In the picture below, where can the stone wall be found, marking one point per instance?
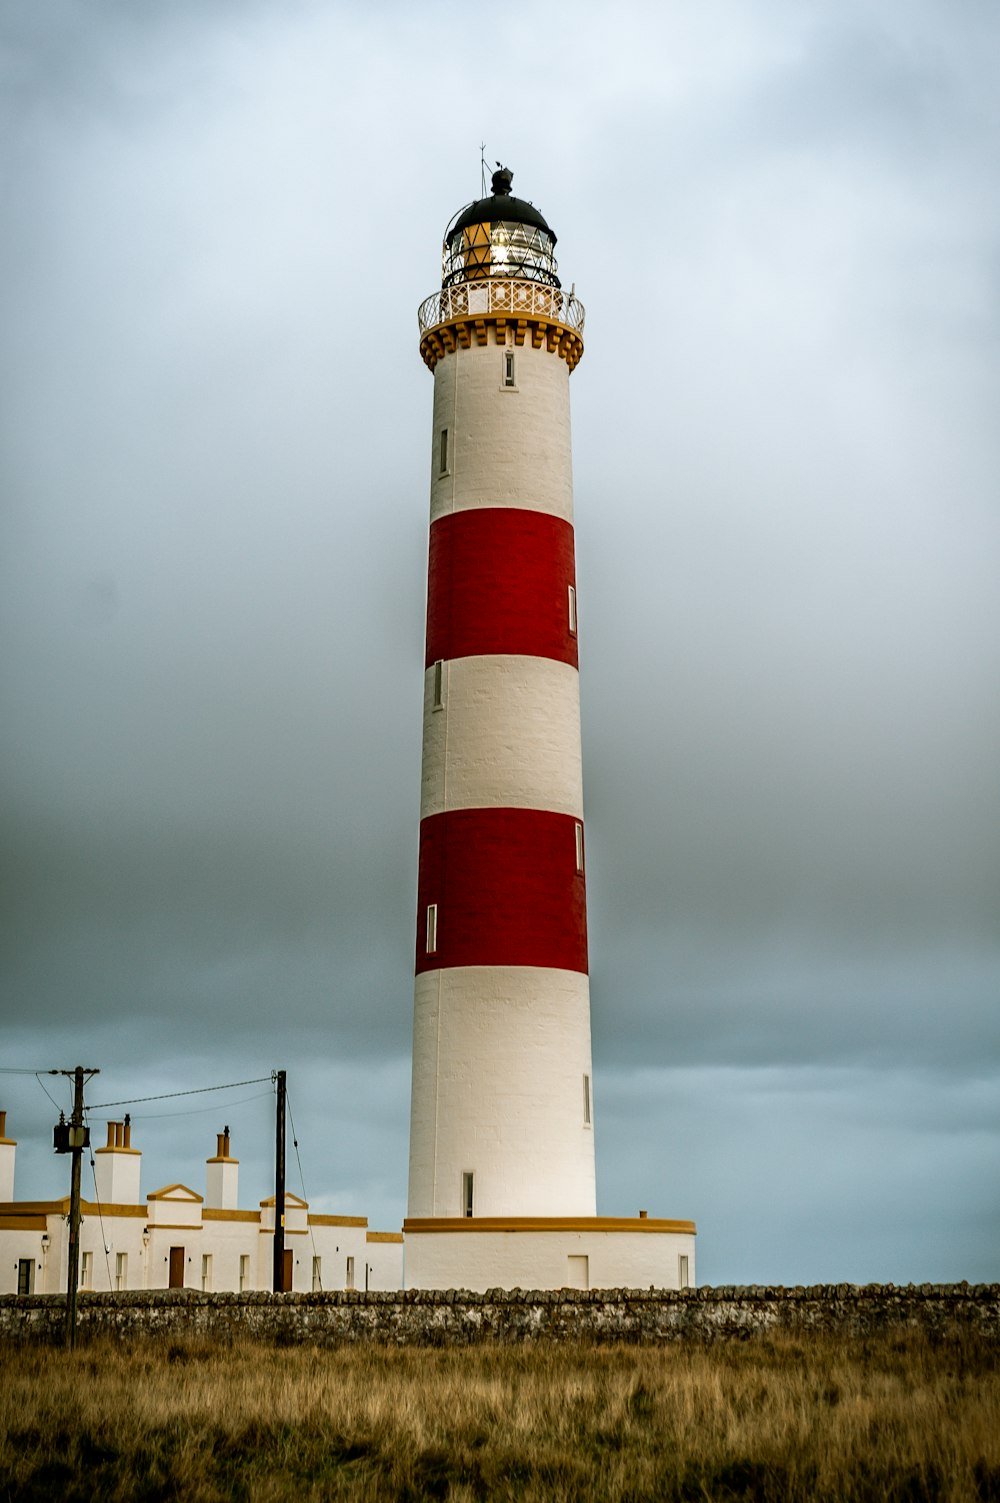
(437, 1318)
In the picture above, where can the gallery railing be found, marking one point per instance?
(501, 295)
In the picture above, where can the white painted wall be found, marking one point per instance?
(222, 1183)
(507, 736)
(174, 1206)
(499, 1056)
(225, 1237)
(177, 1216)
(384, 1260)
(507, 448)
(8, 1149)
(482, 1260)
(116, 1173)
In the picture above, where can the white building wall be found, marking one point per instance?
(178, 1217)
(104, 1234)
(384, 1259)
(228, 1235)
(17, 1244)
(480, 1260)
(161, 1240)
(223, 1236)
(334, 1241)
(298, 1244)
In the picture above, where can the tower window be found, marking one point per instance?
(443, 457)
(586, 1101)
(467, 1179)
(439, 685)
(578, 830)
(509, 377)
(432, 928)
(572, 610)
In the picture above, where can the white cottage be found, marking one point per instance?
(177, 1238)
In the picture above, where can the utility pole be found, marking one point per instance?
(73, 1139)
(278, 1280)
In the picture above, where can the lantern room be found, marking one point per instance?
(499, 236)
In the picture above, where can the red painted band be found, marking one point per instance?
(507, 890)
(498, 582)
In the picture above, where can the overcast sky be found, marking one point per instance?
(215, 434)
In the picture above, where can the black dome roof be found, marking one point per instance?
(501, 204)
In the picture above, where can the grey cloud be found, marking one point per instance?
(795, 1167)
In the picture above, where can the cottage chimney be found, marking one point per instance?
(7, 1148)
(222, 1176)
(116, 1167)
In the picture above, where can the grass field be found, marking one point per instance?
(819, 1419)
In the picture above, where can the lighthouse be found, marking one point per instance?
(502, 1167)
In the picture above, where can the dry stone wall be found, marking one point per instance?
(456, 1317)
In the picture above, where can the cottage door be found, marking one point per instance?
(176, 1280)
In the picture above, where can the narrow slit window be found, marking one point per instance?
(683, 1276)
(432, 928)
(579, 848)
(349, 1276)
(508, 368)
(439, 684)
(572, 610)
(586, 1101)
(317, 1275)
(467, 1181)
(443, 457)
(121, 1270)
(244, 1272)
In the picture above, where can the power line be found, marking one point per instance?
(302, 1178)
(167, 1095)
(295, 1145)
(97, 1198)
(197, 1111)
(38, 1076)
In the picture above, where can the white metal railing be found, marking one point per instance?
(501, 295)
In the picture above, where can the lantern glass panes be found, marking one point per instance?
(501, 249)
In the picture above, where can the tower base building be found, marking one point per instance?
(502, 1190)
(548, 1252)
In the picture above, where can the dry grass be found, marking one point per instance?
(823, 1419)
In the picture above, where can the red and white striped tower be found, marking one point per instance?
(501, 1098)
(501, 1134)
